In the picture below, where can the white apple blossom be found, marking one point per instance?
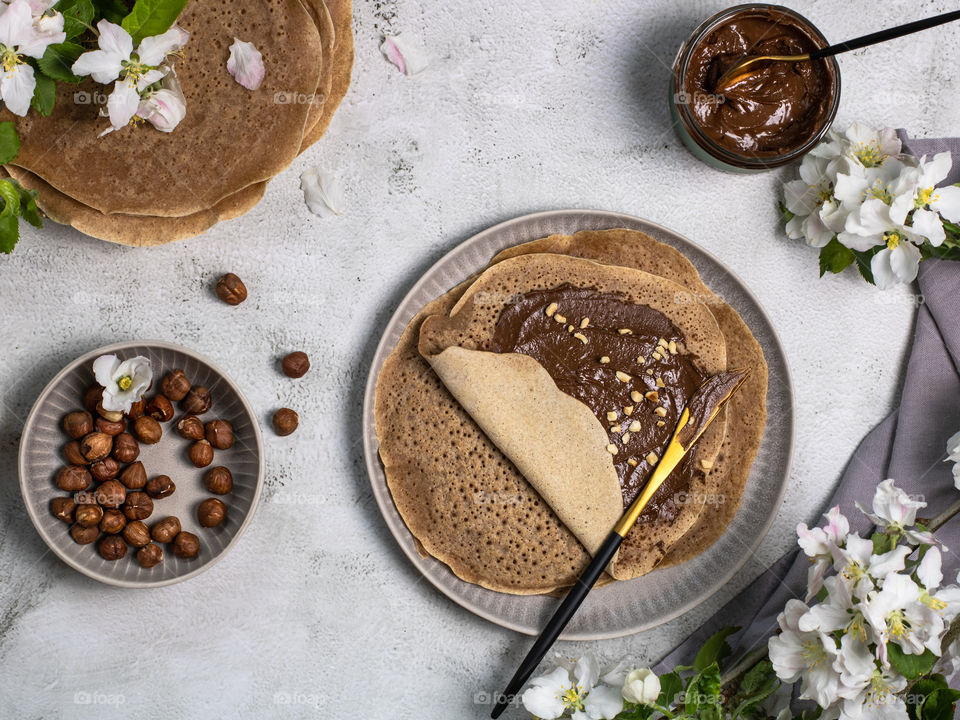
(838, 611)
(163, 108)
(131, 71)
(574, 690)
(124, 382)
(859, 565)
(816, 543)
(817, 214)
(246, 64)
(807, 656)
(927, 202)
(896, 614)
(19, 38)
(641, 686)
(867, 692)
(870, 148)
(895, 512)
(953, 455)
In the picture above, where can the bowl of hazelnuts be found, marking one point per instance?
(149, 495)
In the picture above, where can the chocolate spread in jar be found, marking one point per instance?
(779, 105)
(551, 326)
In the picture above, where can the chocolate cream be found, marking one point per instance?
(551, 327)
(775, 109)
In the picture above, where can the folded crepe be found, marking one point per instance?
(452, 500)
(230, 138)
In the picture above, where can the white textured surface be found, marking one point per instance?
(524, 107)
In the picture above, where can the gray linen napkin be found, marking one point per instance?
(909, 446)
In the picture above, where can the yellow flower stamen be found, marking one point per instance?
(898, 628)
(813, 653)
(125, 382)
(931, 602)
(892, 239)
(572, 697)
(10, 58)
(869, 154)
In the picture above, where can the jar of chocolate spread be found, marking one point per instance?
(772, 116)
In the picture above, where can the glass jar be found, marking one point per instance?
(681, 99)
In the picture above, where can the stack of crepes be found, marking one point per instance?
(139, 186)
(510, 480)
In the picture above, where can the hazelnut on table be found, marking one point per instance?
(150, 555)
(112, 547)
(211, 512)
(160, 487)
(218, 480)
(186, 545)
(147, 430)
(134, 476)
(166, 530)
(136, 533)
(219, 433)
(190, 427)
(231, 289)
(197, 401)
(285, 421)
(201, 453)
(295, 365)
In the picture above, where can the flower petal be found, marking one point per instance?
(322, 192)
(929, 225)
(905, 261)
(102, 66)
(246, 64)
(114, 40)
(47, 31)
(122, 104)
(164, 109)
(946, 201)
(16, 89)
(408, 56)
(16, 24)
(603, 703)
(104, 368)
(152, 50)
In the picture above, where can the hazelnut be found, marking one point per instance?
(77, 424)
(72, 478)
(159, 408)
(197, 401)
(92, 397)
(147, 430)
(219, 433)
(166, 530)
(175, 385)
(112, 547)
(111, 415)
(71, 451)
(88, 515)
(231, 289)
(186, 545)
(113, 521)
(134, 476)
(201, 453)
(136, 409)
(285, 421)
(138, 506)
(160, 487)
(111, 494)
(96, 446)
(295, 365)
(136, 533)
(218, 480)
(63, 508)
(106, 469)
(110, 428)
(190, 427)
(211, 512)
(126, 449)
(150, 555)
(84, 535)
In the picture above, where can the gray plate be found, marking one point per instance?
(624, 607)
(41, 457)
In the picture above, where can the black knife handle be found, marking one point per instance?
(558, 622)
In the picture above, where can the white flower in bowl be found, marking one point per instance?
(124, 382)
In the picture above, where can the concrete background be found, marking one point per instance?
(524, 107)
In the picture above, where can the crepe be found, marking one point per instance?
(746, 410)
(230, 138)
(525, 549)
(148, 231)
(554, 474)
(462, 500)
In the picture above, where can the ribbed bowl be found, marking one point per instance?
(41, 457)
(634, 605)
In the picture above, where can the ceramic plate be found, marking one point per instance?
(41, 457)
(624, 607)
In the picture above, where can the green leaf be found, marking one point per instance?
(919, 691)
(787, 215)
(9, 142)
(77, 15)
(714, 650)
(702, 698)
(910, 666)
(635, 712)
(939, 704)
(835, 257)
(111, 10)
(44, 94)
(757, 685)
(670, 686)
(28, 205)
(9, 221)
(863, 258)
(881, 543)
(58, 60)
(152, 17)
